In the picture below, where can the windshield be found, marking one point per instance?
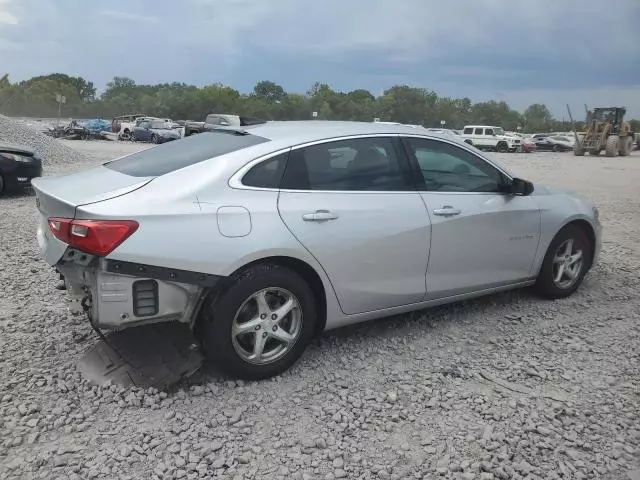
(498, 131)
(160, 125)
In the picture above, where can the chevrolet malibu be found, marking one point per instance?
(260, 237)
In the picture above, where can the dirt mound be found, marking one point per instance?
(50, 150)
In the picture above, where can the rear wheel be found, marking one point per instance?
(565, 264)
(154, 138)
(612, 147)
(1, 185)
(556, 148)
(626, 146)
(259, 325)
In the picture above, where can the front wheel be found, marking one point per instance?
(502, 147)
(565, 264)
(260, 324)
(154, 138)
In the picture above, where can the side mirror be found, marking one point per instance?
(520, 187)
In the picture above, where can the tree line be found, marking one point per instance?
(36, 97)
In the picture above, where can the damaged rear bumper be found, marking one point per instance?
(118, 295)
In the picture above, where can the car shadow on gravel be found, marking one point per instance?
(19, 193)
(412, 323)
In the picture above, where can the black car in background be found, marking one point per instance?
(18, 165)
(553, 143)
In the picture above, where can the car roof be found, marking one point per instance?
(304, 131)
(17, 149)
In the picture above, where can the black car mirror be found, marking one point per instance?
(520, 187)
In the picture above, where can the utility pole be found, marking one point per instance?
(60, 99)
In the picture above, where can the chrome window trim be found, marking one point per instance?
(235, 181)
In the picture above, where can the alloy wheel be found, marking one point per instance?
(568, 263)
(266, 326)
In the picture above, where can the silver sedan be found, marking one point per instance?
(261, 237)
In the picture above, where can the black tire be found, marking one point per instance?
(626, 146)
(502, 147)
(154, 138)
(555, 148)
(612, 146)
(216, 319)
(1, 185)
(545, 285)
(469, 142)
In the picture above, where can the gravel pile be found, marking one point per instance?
(50, 150)
(505, 387)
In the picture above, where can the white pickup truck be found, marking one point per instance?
(486, 137)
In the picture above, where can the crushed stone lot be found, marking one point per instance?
(504, 387)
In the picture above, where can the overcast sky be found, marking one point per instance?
(549, 51)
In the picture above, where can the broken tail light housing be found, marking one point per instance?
(96, 237)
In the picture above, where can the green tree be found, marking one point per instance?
(269, 91)
(538, 118)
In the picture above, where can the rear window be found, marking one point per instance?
(178, 154)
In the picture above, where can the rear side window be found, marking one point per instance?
(478, 131)
(468, 131)
(361, 164)
(175, 155)
(266, 174)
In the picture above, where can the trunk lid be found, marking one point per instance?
(60, 196)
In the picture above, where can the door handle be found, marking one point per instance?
(319, 216)
(447, 211)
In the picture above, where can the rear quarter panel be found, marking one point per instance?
(178, 216)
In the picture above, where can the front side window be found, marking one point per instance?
(488, 131)
(448, 168)
(357, 164)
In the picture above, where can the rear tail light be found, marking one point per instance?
(97, 237)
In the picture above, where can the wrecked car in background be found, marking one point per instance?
(123, 125)
(215, 120)
(154, 131)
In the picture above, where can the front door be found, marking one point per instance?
(352, 205)
(481, 237)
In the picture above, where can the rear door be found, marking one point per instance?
(481, 237)
(479, 138)
(352, 205)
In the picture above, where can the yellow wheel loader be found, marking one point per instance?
(605, 130)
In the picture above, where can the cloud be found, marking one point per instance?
(6, 15)
(129, 17)
(474, 48)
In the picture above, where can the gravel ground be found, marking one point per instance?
(505, 387)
